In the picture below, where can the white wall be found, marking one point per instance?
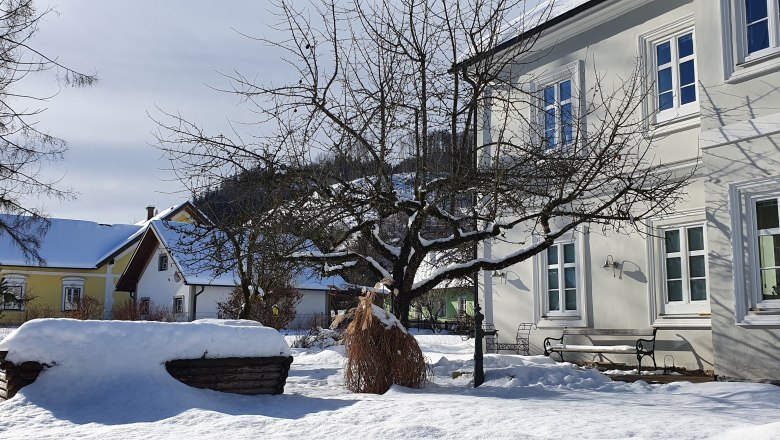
(207, 301)
(629, 299)
(160, 286)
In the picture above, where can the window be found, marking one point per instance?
(178, 305)
(767, 231)
(760, 22)
(13, 299)
(143, 307)
(751, 38)
(675, 79)
(462, 305)
(558, 100)
(162, 262)
(669, 54)
(685, 270)
(72, 292)
(558, 118)
(561, 287)
(442, 311)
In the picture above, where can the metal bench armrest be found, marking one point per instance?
(548, 343)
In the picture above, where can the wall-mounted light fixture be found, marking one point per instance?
(610, 262)
(504, 275)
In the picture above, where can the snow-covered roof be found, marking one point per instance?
(531, 21)
(71, 243)
(309, 279)
(82, 244)
(178, 240)
(542, 13)
(195, 269)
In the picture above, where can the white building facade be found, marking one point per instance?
(706, 275)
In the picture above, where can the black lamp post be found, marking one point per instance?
(479, 372)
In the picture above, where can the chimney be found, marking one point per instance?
(149, 212)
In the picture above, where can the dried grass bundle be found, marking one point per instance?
(380, 352)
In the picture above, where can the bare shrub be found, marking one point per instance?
(86, 307)
(33, 310)
(133, 310)
(275, 308)
(380, 352)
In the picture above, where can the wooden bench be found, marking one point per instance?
(520, 346)
(644, 343)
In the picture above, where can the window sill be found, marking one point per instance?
(755, 65)
(561, 321)
(683, 121)
(687, 320)
(761, 318)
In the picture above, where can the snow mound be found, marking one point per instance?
(128, 344)
(511, 371)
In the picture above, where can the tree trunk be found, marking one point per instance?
(402, 306)
(244, 312)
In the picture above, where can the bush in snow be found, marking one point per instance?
(275, 308)
(133, 310)
(85, 307)
(380, 352)
(318, 337)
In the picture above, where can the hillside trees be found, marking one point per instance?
(24, 147)
(372, 81)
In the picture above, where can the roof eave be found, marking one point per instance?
(529, 33)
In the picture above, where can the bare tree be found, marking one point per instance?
(243, 238)
(372, 81)
(24, 147)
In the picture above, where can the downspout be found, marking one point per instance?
(195, 301)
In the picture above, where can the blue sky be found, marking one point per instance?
(148, 54)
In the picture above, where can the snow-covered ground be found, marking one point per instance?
(523, 397)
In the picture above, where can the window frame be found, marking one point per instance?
(686, 305)
(748, 311)
(462, 305)
(15, 281)
(738, 65)
(685, 114)
(754, 234)
(561, 265)
(144, 304)
(180, 300)
(571, 318)
(70, 284)
(163, 262)
(773, 29)
(573, 72)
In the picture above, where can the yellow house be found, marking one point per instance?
(82, 259)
